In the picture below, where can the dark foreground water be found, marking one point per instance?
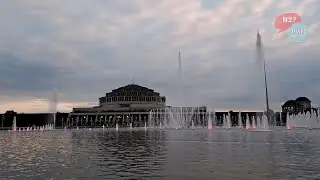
(168, 155)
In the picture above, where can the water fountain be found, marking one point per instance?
(14, 124)
(253, 120)
(263, 77)
(248, 126)
(229, 121)
(259, 119)
(117, 127)
(240, 125)
(265, 122)
(175, 117)
(145, 126)
(209, 121)
(304, 120)
(53, 104)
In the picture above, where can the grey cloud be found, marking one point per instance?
(216, 71)
(25, 76)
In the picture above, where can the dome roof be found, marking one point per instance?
(132, 87)
(303, 99)
(289, 103)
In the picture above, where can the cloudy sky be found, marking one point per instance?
(85, 48)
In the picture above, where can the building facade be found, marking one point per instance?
(128, 104)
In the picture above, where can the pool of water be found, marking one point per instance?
(160, 154)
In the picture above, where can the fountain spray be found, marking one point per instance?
(209, 121)
(145, 126)
(261, 58)
(14, 124)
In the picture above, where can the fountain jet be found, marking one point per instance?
(14, 124)
(260, 56)
(209, 121)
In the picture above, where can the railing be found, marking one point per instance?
(5, 128)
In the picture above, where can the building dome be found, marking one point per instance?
(290, 103)
(132, 94)
(303, 99)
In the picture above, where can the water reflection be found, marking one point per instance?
(179, 154)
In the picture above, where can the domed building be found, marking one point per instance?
(296, 106)
(128, 104)
(304, 103)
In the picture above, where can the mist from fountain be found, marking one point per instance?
(304, 120)
(172, 117)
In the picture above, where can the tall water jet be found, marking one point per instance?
(192, 124)
(131, 125)
(14, 124)
(117, 127)
(180, 81)
(53, 103)
(261, 59)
